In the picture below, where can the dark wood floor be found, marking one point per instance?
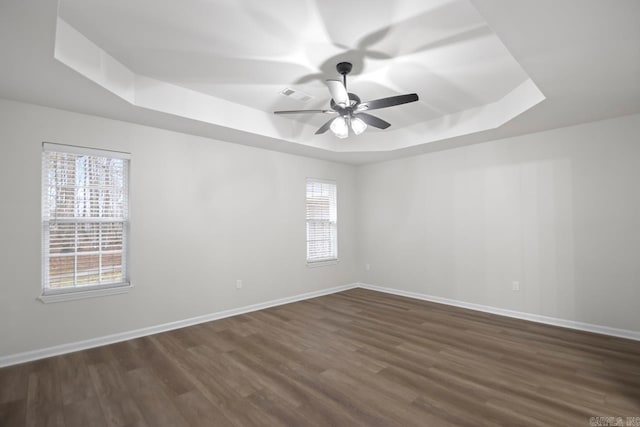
(353, 358)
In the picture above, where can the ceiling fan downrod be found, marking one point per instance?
(344, 68)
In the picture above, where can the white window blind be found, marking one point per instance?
(322, 221)
(85, 214)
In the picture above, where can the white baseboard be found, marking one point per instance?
(571, 324)
(29, 356)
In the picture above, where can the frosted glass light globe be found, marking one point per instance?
(358, 125)
(339, 127)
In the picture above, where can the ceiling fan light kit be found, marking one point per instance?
(350, 110)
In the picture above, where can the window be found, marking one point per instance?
(85, 218)
(322, 224)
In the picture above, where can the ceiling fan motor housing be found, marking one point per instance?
(352, 97)
(344, 68)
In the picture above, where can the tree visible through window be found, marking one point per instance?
(85, 218)
(322, 221)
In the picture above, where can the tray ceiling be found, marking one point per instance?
(227, 62)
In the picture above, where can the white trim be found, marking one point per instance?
(94, 289)
(571, 324)
(322, 181)
(76, 149)
(28, 356)
(75, 293)
(332, 224)
(322, 263)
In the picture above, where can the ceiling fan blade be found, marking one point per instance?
(338, 93)
(388, 102)
(325, 127)
(305, 112)
(374, 121)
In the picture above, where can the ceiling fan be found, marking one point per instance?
(349, 108)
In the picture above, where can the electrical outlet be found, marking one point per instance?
(515, 286)
(238, 284)
(367, 267)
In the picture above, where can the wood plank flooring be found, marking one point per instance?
(356, 358)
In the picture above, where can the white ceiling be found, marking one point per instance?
(186, 58)
(583, 55)
(249, 51)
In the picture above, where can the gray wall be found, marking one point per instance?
(558, 211)
(203, 214)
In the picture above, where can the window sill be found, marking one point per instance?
(71, 295)
(324, 263)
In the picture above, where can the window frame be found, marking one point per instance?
(76, 292)
(323, 261)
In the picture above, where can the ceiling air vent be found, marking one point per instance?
(297, 95)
